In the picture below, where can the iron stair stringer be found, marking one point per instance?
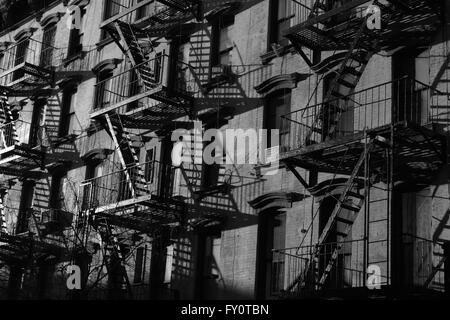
(3, 226)
(114, 133)
(343, 221)
(137, 172)
(112, 249)
(342, 85)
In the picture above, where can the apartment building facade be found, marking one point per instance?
(94, 90)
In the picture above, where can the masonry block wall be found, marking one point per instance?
(226, 263)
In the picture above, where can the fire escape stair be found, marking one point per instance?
(3, 226)
(343, 84)
(127, 154)
(21, 158)
(404, 22)
(127, 38)
(115, 258)
(349, 202)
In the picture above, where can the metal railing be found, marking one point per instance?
(299, 269)
(150, 178)
(20, 132)
(45, 56)
(401, 100)
(158, 73)
(298, 11)
(426, 260)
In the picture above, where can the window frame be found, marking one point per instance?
(216, 38)
(270, 115)
(275, 22)
(67, 111)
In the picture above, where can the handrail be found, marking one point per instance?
(128, 168)
(318, 245)
(349, 95)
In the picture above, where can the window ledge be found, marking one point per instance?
(79, 55)
(272, 54)
(104, 42)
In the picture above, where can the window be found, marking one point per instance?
(280, 16)
(270, 265)
(76, 37)
(211, 173)
(134, 89)
(101, 91)
(36, 123)
(278, 230)
(57, 191)
(111, 8)
(169, 263)
(222, 43)
(94, 169)
(157, 66)
(26, 202)
(139, 265)
(48, 44)
(143, 11)
(66, 124)
(278, 104)
(150, 165)
(21, 56)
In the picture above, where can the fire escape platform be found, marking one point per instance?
(143, 213)
(30, 69)
(158, 24)
(170, 101)
(155, 205)
(20, 160)
(20, 249)
(418, 152)
(385, 292)
(151, 118)
(403, 26)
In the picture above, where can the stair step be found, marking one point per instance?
(350, 207)
(355, 195)
(346, 83)
(344, 220)
(351, 70)
(339, 95)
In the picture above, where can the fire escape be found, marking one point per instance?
(30, 70)
(359, 138)
(160, 88)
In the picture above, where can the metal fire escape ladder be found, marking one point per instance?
(342, 85)
(112, 245)
(127, 147)
(3, 226)
(114, 134)
(346, 219)
(6, 117)
(129, 41)
(126, 37)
